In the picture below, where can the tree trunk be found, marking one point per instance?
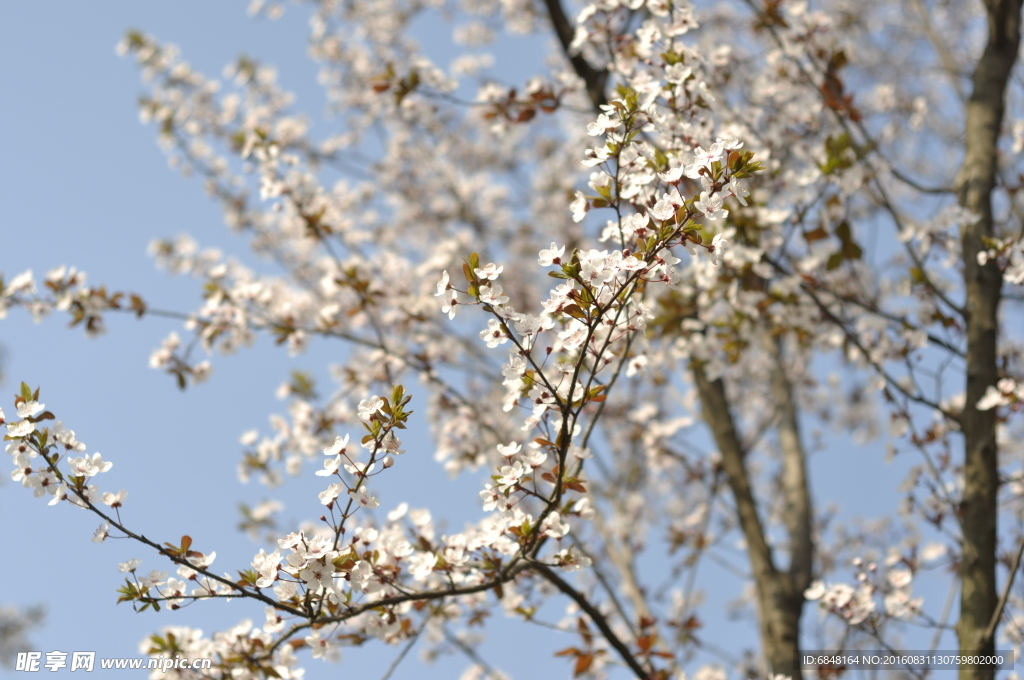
(975, 183)
(780, 596)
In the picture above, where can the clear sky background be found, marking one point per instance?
(82, 183)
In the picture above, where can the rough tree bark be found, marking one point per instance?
(975, 183)
(780, 596)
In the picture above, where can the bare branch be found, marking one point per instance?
(595, 80)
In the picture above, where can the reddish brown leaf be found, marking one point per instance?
(583, 662)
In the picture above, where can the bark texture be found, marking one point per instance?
(983, 285)
(779, 593)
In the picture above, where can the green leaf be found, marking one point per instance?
(574, 311)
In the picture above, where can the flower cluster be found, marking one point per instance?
(687, 282)
(857, 604)
(37, 451)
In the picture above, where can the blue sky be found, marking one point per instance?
(82, 183)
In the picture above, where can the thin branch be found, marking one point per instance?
(405, 650)
(629, 576)
(862, 151)
(890, 380)
(472, 654)
(944, 619)
(597, 617)
(998, 613)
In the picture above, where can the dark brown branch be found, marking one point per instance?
(505, 576)
(597, 617)
(594, 79)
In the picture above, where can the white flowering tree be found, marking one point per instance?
(664, 237)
